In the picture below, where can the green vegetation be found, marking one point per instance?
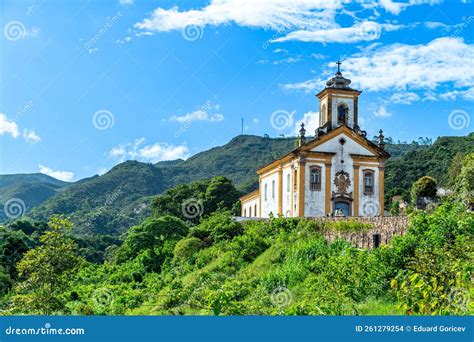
(281, 266)
(185, 254)
(32, 189)
(121, 198)
(347, 226)
(424, 187)
(434, 161)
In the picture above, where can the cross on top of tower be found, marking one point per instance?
(338, 66)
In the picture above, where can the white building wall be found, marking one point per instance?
(369, 205)
(248, 208)
(350, 147)
(286, 204)
(314, 201)
(270, 204)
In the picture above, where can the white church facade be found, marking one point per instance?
(339, 172)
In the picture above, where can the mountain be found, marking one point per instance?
(433, 161)
(111, 203)
(33, 189)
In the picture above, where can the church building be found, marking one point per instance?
(339, 172)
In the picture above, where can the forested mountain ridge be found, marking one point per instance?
(32, 188)
(111, 203)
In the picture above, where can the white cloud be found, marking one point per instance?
(311, 19)
(8, 127)
(404, 98)
(311, 122)
(397, 7)
(31, 136)
(158, 152)
(381, 112)
(124, 40)
(201, 114)
(318, 56)
(434, 25)
(279, 50)
(289, 60)
(92, 51)
(459, 94)
(401, 67)
(149, 153)
(267, 14)
(126, 2)
(365, 31)
(61, 175)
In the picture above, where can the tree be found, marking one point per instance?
(220, 194)
(424, 187)
(197, 200)
(13, 245)
(154, 239)
(464, 185)
(217, 227)
(44, 270)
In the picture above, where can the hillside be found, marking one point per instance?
(434, 161)
(32, 189)
(120, 198)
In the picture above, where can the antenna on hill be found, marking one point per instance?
(242, 128)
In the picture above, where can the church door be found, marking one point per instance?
(342, 206)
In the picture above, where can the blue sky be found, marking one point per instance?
(88, 84)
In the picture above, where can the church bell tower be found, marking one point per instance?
(338, 104)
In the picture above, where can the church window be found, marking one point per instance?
(273, 189)
(342, 114)
(265, 192)
(315, 181)
(255, 211)
(245, 212)
(250, 211)
(288, 182)
(368, 182)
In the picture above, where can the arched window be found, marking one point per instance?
(255, 211)
(250, 211)
(288, 182)
(245, 212)
(265, 192)
(273, 189)
(342, 114)
(315, 180)
(368, 182)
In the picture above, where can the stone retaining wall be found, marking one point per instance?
(385, 227)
